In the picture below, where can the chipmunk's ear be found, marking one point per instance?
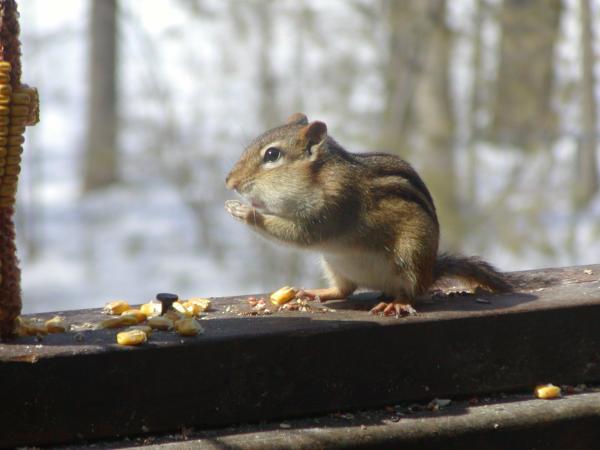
(297, 119)
(316, 135)
(315, 132)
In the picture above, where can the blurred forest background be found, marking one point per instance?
(146, 105)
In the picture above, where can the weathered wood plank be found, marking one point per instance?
(289, 364)
(510, 422)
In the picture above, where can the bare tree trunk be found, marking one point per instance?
(101, 153)
(522, 113)
(434, 120)
(476, 101)
(587, 171)
(408, 29)
(267, 84)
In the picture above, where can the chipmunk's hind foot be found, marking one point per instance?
(396, 308)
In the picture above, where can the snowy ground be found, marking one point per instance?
(140, 237)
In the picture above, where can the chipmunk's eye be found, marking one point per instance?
(272, 154)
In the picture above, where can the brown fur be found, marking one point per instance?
(370, 215)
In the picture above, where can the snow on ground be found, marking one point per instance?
(140, 237)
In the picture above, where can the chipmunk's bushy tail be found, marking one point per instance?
(472, 270)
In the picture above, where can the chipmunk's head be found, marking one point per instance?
(276, 172)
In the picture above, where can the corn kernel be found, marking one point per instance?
(28, 327)
(152, 308)
(114, 322)
(283, 295)
(136, 313)
(56, 325)
(20, 98)
(19, 110)
(128, 319)
(131, 337)
(193, 309)
(173, 315)
(160, 323)
(203, 304)
(145, 328)
(116, 307)
(188, 327)
(182, 309)
(547, 391)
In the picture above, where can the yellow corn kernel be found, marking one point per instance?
(182, 309)
(138, 315)
(128, 319)
(145, 328)
(547, 391)
(4, 78)
(283, 295)
(131, 337)
(4, 131)
(173, 315)
(28, 327)
(5, 89)
(192, 308)
(114, 322)
(5, 99)
(188, 327)
(56, 325)
(203, 304)
(151, 309)
(116, 307)
(160, 323)
(5, 66)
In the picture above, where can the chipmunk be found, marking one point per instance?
(369, 215)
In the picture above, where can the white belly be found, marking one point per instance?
(371, 270)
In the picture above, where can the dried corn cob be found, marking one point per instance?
(19, 106)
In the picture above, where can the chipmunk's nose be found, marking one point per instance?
(231, 182)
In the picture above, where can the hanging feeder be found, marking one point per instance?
(19, 107)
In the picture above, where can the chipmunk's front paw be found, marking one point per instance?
(241, 211)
